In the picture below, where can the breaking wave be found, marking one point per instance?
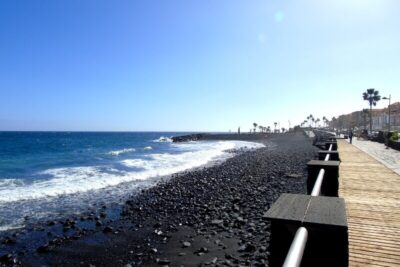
(71, 180)
(122, 151)
(163, 139)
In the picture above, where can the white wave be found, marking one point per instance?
(10, 227)
(10, 182)
(62, 181)
(66, 181)
(194, 155)
(122, 151)
(72, 180)
(163, 139)
(137, 163)
(147, 148)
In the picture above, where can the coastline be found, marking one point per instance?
(216, 209)
(104, 168)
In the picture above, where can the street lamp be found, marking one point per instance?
(388, 98)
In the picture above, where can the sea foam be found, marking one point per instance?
(163, 139)
(72, 180)
(122, 151)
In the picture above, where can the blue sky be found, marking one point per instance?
(192, 65)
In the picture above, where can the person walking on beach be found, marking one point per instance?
(351, 136)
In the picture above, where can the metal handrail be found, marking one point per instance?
(296, 251)
(327, 157)
(295, 254)
(318, 183)
(330, 147)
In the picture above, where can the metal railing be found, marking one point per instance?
(296, 250)
(318, 183)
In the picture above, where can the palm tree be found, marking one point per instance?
(268, 129)
(255, 126)
(317, 121)
(275, 123)
(260, 128)
(372, 96)
(311, 117)
(334, 122)
(324, 119)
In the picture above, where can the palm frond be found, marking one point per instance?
(370, 91)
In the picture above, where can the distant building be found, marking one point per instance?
(395, 116)
(380, 119)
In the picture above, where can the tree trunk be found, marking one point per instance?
(370, 119)
(365, 121)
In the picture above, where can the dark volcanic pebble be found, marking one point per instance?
(8, 241)
(108, 229)
(9, 260)
(186, 244)
(163, 262)
(44, 249)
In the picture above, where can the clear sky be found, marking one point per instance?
(208, 65)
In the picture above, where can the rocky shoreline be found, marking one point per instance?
(210, 216)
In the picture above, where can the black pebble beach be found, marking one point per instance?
(212, 216)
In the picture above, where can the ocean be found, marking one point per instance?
(48, 175)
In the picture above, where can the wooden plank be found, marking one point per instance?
(374, 239)
(377, 242)
(372, 195)
(361, 261)
(371, 227)
(371, 251)
(375, 257)
(359, 243)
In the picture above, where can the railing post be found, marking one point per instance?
(326, 223)
(286, 215)
(330, 186)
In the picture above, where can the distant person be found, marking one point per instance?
(351, 136)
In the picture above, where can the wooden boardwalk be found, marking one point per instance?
(372, 195)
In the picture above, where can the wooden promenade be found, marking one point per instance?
(372, 195)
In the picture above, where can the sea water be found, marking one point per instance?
(45, 175)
